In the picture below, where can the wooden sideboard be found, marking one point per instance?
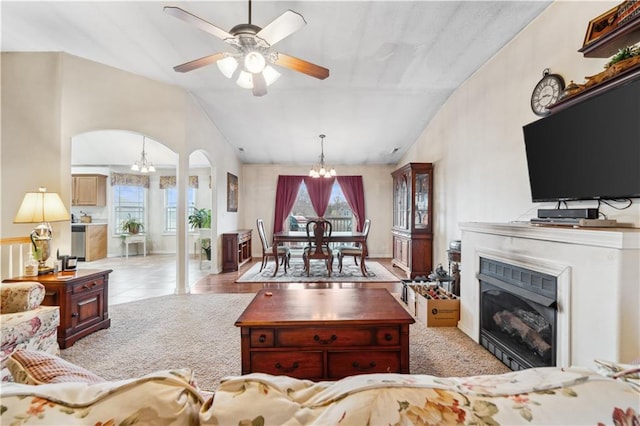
(83, 298)
(236, 249)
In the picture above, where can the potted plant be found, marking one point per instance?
(206, 246)
(200, 218)
(132, 225)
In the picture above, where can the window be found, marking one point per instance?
(338, 211)
(171, 205)
(128, 201)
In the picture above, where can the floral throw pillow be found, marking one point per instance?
(37, 368)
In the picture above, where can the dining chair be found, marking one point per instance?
(318, 233)
(355, 250)
(284, 254)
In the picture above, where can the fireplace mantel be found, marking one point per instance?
(618, 238)
(599, 271)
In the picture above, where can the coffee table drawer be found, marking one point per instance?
(324, 337)
(388, 336)
(343, 364)
(302, 365)
(262, 338)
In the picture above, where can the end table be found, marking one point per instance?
(83, 298)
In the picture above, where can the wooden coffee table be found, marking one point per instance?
(324, 334)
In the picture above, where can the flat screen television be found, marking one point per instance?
(587, 151)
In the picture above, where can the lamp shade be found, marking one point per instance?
(41, 206)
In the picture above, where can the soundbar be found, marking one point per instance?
(586, 213)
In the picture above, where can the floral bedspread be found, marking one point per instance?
(571, 396)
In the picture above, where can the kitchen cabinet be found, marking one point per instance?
(89, 190)
(89, 241)
(412, 232)
(95, 242)
(83, 297)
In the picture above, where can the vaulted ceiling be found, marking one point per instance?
(392, 64)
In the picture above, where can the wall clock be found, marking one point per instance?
(547, 92)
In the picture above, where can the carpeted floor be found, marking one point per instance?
(197, 331)
(350, 273)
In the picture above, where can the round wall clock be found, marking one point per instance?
(547, 92)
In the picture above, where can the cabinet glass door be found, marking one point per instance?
(400, 204)
(421, 201)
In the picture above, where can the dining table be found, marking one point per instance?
(346, 237)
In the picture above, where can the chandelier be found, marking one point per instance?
(143, 165)
(320, 170)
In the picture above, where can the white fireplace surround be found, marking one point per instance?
(598, 279)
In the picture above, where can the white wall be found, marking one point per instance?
(258, 195)
(476, 139)
(47, 98)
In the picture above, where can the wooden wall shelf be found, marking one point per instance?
(623, 77)
(609, 44)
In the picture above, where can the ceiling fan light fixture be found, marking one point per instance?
(270, 75)
(254, 62)
(245, 80)
(227, 66)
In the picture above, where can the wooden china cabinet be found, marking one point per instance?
(412, 231)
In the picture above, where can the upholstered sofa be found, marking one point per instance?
(24, 323)
(49, 390)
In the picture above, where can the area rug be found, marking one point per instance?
(350, 273)
(197, 331)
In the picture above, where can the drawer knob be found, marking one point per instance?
(262, 338)
(75, 315)
(357, 366)
(332, 339)
(293, 367)
(388, 337)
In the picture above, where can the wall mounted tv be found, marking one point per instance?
(587, 151)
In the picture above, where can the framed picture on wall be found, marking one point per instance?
(601, 25)
(232, 193)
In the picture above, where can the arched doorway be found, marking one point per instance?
(148, 196)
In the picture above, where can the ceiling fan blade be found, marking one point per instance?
(259, 85)
(199, 63)
(302, 66)
(283, 26)
(198, 22)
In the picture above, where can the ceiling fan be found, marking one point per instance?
(252, 59)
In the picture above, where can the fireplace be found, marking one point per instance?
(518, 314)
(596, 273)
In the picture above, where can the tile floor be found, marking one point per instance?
(143, 277)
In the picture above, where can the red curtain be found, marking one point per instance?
(286, 194)
(353, 191)
(319, 192)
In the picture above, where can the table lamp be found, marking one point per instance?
(41, 207)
